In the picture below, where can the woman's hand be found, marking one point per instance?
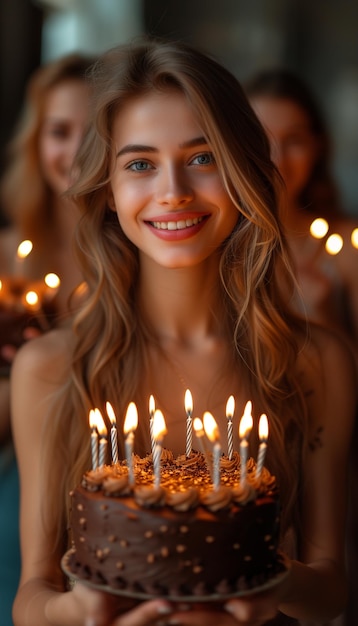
(104, 609)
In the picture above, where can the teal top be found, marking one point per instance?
(9, 532)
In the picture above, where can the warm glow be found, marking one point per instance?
(159, 426)
(319, 228)
(92, 419)
(188, 402)
(101, 426)
(334, 244)
(111, 413)
(131, 420)
(246, 421)
(96, 421)
(31, 298)
(24, 249)
(354, 238)
(230, 406)
(52, 280)
(198, 427)
(210, 427)
(151, 406)
(263, 428)
(0, 284)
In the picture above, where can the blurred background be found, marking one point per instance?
(317, 39)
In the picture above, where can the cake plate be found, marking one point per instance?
(214, 597)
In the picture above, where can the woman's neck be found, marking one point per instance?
(180, 304)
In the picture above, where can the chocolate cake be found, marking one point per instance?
(182, 539)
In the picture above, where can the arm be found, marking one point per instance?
(316, 586)
(42, 599)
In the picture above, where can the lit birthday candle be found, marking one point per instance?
(354, 238)
(23, 251)
(52, 285)
(212, 432)
(102, 431)
(230, 408)
(130, 425)
(94, 439)
(151, 417)
(334, 244)
(319, 228)
(114, 437)
(189, 422)
(245, 427)
(159, 430)
(263, 436)
(200, 433)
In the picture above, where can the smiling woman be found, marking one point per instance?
(167, 187)
(188, 280)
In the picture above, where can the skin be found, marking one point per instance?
(329, 284)
(172, 270)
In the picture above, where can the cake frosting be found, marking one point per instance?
(184, 538)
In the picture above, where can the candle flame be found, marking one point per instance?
(230, 407)
(111, 414)
(101, 426)
(92, 419)
(319, 228)
(188, 402)
(151, 406)
(354, 238)
(96, 421)
(131, 420)
(24, 249)
(263, 428)
(159, 425)
(246, 421)
(52, 280)
(198, 427)
(0, 284)
(210, 427)
(31, 298)
(334, 244)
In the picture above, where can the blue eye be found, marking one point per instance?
(139, 166)
(206, 158)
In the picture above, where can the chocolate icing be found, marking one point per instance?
(182, 539)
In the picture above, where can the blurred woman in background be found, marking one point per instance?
(302, 150)
(38, 172)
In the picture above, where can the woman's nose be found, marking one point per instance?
(174, 189)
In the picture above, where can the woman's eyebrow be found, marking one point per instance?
(132, 147)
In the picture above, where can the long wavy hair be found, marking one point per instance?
(26, 198)
(255, 275)
(320, 196)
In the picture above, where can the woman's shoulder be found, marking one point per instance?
(323, 348)
(48, 356)
(327, 368)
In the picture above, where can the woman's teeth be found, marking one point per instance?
(179, 225)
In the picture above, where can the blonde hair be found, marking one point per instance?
(255, 272)
(26, 198)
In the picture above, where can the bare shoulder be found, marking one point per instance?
(328, 371)
(47, 357)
